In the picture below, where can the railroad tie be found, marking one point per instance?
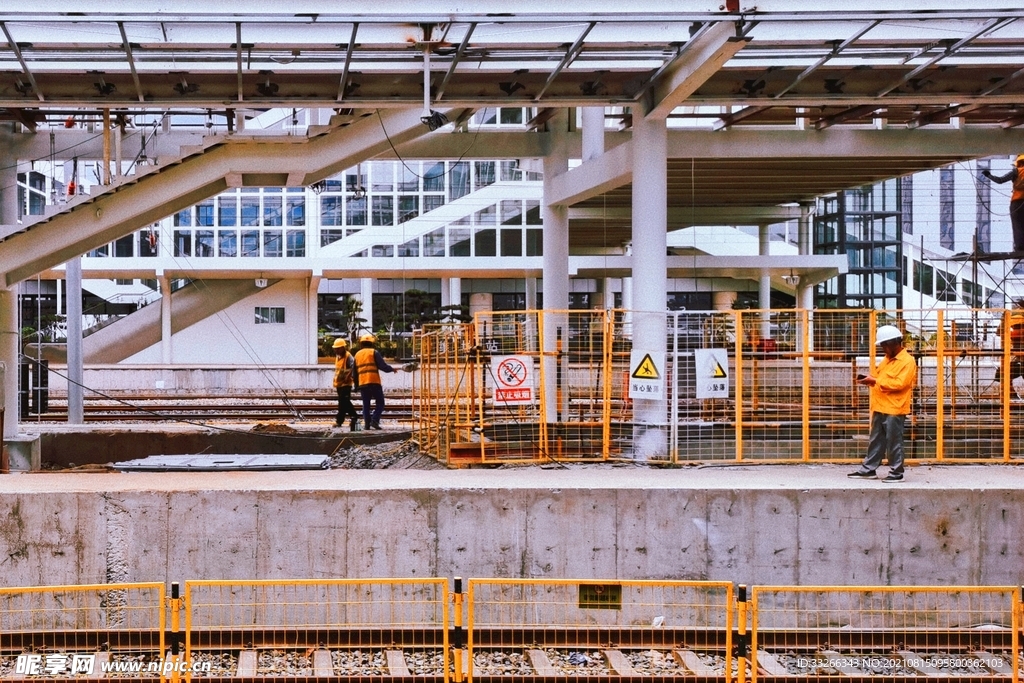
(396, 663)
(916, 662)
(769, 665)
(101, 661)
(541, 664)
(994, 663)
(323, 665)
(247, 662)
(618, 662)
(836, 661)
(693, 662)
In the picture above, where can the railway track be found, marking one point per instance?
(161, 408)
(537, 654)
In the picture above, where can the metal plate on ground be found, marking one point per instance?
(217, 463)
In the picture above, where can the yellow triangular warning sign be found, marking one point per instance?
(646, 369)
(719, 371)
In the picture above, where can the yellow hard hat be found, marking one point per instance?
(368, 338)
(1020, 158)
(340, 343)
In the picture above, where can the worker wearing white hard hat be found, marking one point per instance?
(892, 385)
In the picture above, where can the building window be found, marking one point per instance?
(330, 211)
(204, 242)
(296, 210)
(250, 243)
(250, 211)
(273, 246)
(296, 243)
(227, 243)
(205, 213)
(383, 211)
(272, 211)
(269, 315)
(227, 215)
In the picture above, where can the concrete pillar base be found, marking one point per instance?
(24, 453)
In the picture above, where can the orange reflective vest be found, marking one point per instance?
(366, 366)
(343, 366)
(1018, 185)
(896, 379)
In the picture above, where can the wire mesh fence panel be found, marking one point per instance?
(442, 395)
(824, 631)
(507, 371)
(62, 631)
(317, 627)
(690, 386)
(702, 388)
(575, 628)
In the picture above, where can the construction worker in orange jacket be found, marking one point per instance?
(1016, 175)
(369, 364)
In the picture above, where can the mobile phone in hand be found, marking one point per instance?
(861, 377)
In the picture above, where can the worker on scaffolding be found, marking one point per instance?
(344, 374)
(1016, 175)
(369, 364)
(892, 386)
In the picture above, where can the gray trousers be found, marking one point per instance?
(885, 437)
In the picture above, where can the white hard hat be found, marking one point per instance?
(887, 333)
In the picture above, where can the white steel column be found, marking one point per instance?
(531, 293)
(556, 270)
(313, 317)
(9, 193)
(9, 342)
(650, 273)
(165, 320)
(366, 297)
(455, 292)
(593, 132)
(764, 292)
(76, 394)
(805, 293)
(446, 292)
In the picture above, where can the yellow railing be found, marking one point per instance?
(890, 631)
(57, 632)
(514, 628)
(599, 627)
(533, 386)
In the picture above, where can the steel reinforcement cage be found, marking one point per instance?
(747, 385)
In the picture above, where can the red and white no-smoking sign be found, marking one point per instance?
(513, 379)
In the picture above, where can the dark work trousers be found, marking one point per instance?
(1017, 221)
(885, 439)
(345, 407)
(374, 393)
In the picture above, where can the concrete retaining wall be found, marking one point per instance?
(769, 525)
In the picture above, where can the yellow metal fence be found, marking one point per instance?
(586, 628)
(690, 386)
(321, 628)
(514, 629)
(56, 632)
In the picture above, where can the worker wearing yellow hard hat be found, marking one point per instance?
(369, 363)
(344, 375)
(1016, 176)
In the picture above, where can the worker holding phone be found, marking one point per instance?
(892, 385)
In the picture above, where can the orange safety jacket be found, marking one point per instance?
(343, 366)
(896, 378)
(1018, 185)
(366, 366)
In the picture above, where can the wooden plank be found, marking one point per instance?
(246, 664)
(541, 664)
(693, 663)
(323, 664)
(396, 663)
(769, 665)
(914, 661)
(841, 663)
(618, 662)
(994, 663)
